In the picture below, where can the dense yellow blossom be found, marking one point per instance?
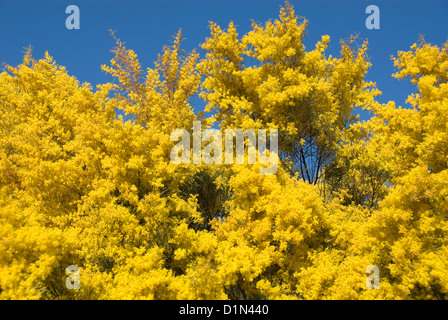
(82, 186)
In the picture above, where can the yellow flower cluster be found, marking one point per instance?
(81, 186)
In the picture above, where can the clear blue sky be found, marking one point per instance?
(146, 26)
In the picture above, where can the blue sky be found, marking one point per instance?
(146, 26)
